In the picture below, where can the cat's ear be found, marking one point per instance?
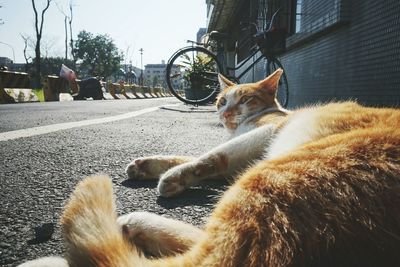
(224, 82)
(271, 82)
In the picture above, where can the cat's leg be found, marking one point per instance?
(223, 161)
(158, 236)
(152, 167)
(53, 261)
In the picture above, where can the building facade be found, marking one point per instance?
(200, 34)
(154, 74)
(5, 61)
(335, 49)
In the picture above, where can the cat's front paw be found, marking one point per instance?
(133, 223)
(177, 179)
(146, 168)
(156, 235)
(137, 227)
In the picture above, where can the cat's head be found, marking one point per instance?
(236, 102)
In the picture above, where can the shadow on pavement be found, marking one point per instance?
(139, 184)
(187, 109)
(208, 193)
(205, 195)
(43, 233)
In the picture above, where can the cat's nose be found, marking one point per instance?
(227, 114)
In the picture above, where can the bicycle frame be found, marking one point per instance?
(244, 62)
(267, 57)
(227, 69)
(217, 58)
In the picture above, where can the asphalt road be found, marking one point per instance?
(37, 173)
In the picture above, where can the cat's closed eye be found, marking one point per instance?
(245, 99)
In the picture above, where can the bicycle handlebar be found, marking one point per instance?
(194, 42)
(270, 39)
(271, 23)
(215, 35)
(261, 33)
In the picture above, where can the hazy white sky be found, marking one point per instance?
(158, 26)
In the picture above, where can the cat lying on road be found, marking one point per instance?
(319, 186)
(250, 113)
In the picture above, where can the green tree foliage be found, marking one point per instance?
(97, 55)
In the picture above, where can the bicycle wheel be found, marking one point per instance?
(192, 75)
(283, 89)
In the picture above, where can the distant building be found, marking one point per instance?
(18, 67)
(155, 74)
(127, 73)
(6, 62)
(132, 73)
(200, 34)
(335, 50)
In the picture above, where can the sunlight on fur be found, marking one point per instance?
(318, 186)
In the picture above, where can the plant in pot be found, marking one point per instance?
(199, 76)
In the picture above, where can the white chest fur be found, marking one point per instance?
(300, 129)
(242, 128)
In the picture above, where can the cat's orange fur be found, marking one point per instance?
(257, 96)
(241, 108)
(96, 231)
(333, 200)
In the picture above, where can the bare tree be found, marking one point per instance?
(47, 45)
(1, 20)
(71, 42)
(39, 32)
(73, 53)
(27, 43)
(66, 37)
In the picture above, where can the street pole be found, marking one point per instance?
(141, 66)
(12, 48)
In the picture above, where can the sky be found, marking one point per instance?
(160, 27)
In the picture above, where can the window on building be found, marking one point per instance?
(310, 17)
(298, 15)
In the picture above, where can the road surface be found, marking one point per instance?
(46, 148)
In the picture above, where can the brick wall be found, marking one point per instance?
(358, 60)
(345, 50)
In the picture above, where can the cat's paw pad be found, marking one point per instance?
(176, 180)
(170, 188)
(142, 169)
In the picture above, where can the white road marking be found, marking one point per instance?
(68, 125)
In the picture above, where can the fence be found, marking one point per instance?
(15, 87)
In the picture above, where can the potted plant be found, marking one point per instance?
(197, 83)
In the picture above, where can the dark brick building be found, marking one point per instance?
(335, 49)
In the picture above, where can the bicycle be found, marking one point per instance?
(192, 71)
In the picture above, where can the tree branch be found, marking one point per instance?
(70, 33)
(36, 16)
(44, 11)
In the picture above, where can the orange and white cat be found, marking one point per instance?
(250, 113)
(319, 186)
